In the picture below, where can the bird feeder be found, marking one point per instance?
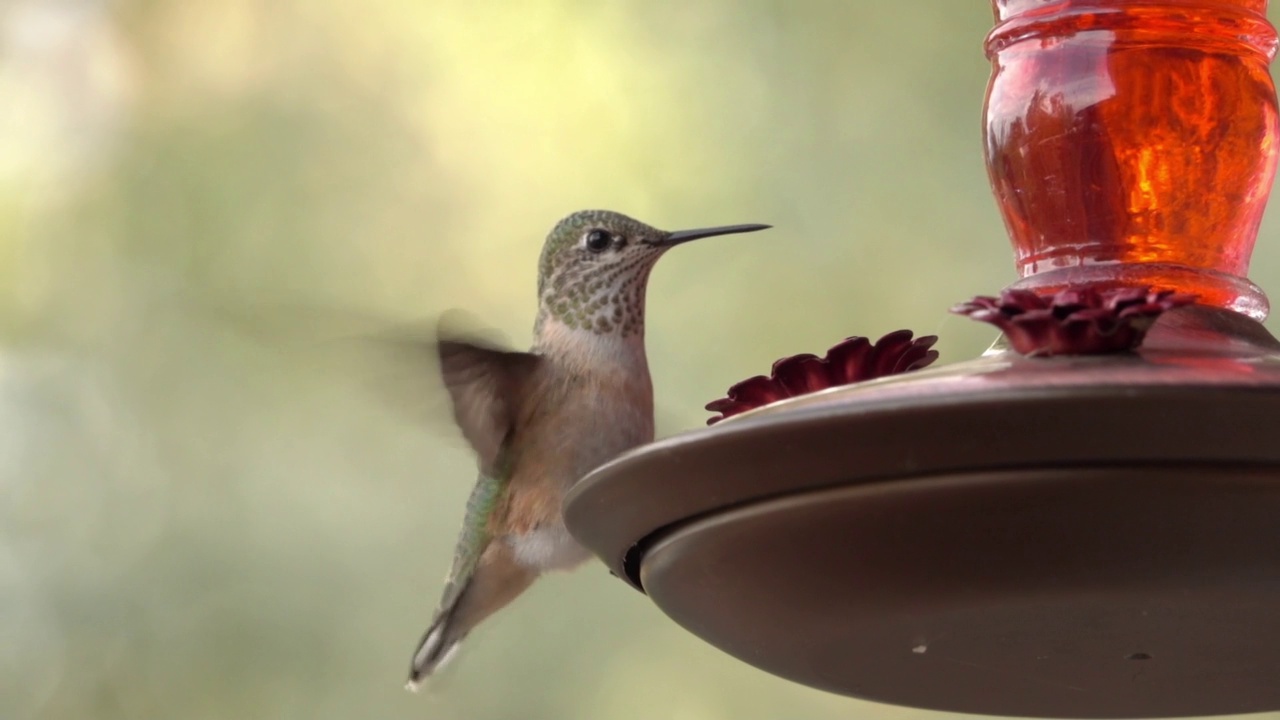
(1035, 532)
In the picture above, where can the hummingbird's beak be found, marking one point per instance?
(684, 236)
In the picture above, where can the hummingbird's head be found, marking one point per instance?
(595, 266)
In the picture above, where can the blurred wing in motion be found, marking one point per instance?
(428, 371)
(486, 385)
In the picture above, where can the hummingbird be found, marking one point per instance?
(538, 421)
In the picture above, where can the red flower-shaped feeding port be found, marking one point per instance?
(854, 360)
(1081, 321)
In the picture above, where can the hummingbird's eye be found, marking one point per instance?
(598, 241)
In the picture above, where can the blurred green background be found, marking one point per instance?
(196, 524)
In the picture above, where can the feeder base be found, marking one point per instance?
(1101, 592)
(1064, 537)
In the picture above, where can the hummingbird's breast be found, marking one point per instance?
(582, 417)
(600, 414)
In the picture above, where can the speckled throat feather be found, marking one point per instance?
(603, 294)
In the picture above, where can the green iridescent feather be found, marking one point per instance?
(474, 537)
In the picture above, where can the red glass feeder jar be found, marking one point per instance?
(1134, 143)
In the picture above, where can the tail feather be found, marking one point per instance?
(469, 600)
(437, 647)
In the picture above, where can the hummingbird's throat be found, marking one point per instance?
(618, 313)
(608, 302)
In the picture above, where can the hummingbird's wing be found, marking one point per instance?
(485, 381)
(486, 385)
(391, 360)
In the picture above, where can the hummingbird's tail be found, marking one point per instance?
(497, 580)
(434, 651)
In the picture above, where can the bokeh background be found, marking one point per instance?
(198, 519)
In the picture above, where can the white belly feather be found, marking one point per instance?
(548, 548)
